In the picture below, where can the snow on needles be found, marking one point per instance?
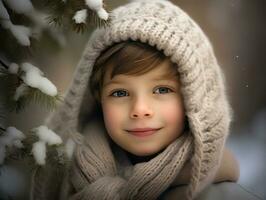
(13, 68)
(39, 152)
(12, 137)
(21, 6)
(3, 12)
(80, 16)
(97, 5)
(20, 32)
(20, 91)
(34, 77)
(46, 136)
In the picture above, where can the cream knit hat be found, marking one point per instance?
(165, 26)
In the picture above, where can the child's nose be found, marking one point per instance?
(141, 109)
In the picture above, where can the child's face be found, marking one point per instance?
(145, 113)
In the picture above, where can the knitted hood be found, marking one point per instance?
(166, 27)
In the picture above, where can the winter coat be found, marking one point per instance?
(218, 191)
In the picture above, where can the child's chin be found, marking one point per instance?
(146, 151)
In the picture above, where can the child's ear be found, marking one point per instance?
(229, 168)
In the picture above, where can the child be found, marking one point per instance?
(148, 110)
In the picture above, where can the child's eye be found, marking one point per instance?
(163, 90)
(119, 93)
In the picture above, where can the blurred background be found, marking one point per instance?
(237, 31)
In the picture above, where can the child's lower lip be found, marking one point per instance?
(143, 133)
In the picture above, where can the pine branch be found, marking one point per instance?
(3, 64)
(13, 81)
(57, 8)
(34, 95)
(49, 102)
(2, 130)
(25, 154)
(61, 13)
(55, 154)
(3, 72)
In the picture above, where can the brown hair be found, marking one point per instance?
(129, 57)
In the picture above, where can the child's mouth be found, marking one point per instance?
(143, 132)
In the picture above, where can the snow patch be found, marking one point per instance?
(18, 144)
(21, 6)
(15, 133)
(11, 137)
(20, 91)
(39, 152)
(34, 78)
(48, 136)
(13, 68)
(3, 12)
(97, 5)
(80, 16)
(20, 32)
(102, 14)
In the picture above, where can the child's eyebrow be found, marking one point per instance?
(167, 76)
(112, 82)
(163, 77)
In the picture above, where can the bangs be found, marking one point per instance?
(135, 59)
(128, 58)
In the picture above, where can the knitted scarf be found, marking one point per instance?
(96, 174)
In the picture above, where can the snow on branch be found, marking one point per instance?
(11, 137)
(41, 26)
(97, 5)
(23, 33)
(80, 16)
(31, 85)
(46, 137)
(79, 13)
(20, 32)
(21, 6)
(33, 77)
(41, 144)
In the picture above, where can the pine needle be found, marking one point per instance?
(3, 72)
(53, 157)
(38, 97)
(79, 28)
(35, 96)
(16, 154)
(61, 14)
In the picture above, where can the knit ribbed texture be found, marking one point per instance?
(166, 27)
(94, 172)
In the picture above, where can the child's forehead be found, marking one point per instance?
(164, 71)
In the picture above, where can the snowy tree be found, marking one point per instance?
(22, 24)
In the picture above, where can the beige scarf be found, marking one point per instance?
(97, 174)
(100, 171)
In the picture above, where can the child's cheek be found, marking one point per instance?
(112, 116)
(173, 113)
